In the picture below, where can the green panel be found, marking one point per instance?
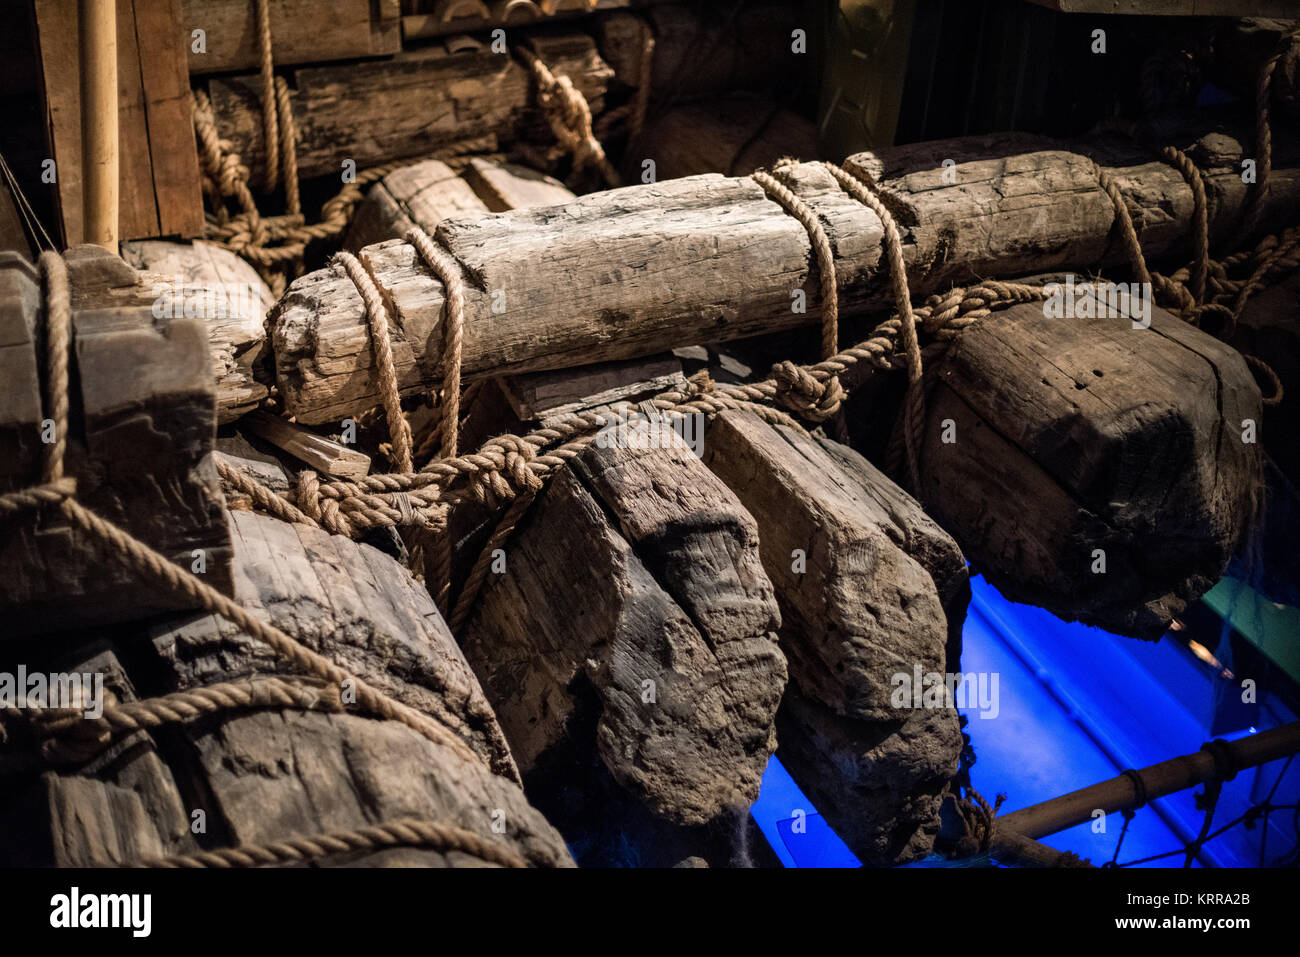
(1272, 628)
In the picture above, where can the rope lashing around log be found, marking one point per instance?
(57, 489)
(405, 832)
(980, 835)
(569, 116)
(1274, 253)
(273, 244)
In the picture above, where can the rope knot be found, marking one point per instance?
(801, 392)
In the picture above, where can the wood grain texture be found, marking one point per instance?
(704, 259)
(262, 775)
(136, 446)
(1079, 434)
(159, 192)
(869, 587)
(613, 275)
(407, 105)
(231, 299)
(302, 31)
(422, 194)
(673, 598)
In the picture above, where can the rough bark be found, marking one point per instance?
(136, 447)
(658, 645)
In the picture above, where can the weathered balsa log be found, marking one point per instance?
(661, 636)
(869, 588)
(204, 281)
(260, 775)
(424, 194)
(1103, 471)
(408, 105)
(141, 421)
(639, 270)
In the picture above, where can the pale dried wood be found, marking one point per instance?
(235, 301)
(503, 186)
(422, 194)
(670, 598)
(316, 451)
(704, 259)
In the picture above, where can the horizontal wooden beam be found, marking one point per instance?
(639, 270)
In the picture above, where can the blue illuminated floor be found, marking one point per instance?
(1077, 706)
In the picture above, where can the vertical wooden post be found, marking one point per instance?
(99, 145)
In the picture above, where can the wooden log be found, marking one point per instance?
(260, 775)
(869, 588)
(504, 186)
(731, 135)
(302, 31)
(408, 105)
(136, 447)
(423, 194)
(202, 280)
(1091, 467)
(159, 190)
(658, 647)
(543, 396)
(705, 259)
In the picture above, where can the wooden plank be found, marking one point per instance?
(408, 105)
(316, 451)
(159, 187)
(504, 186)
(302, 31)
(169, 116)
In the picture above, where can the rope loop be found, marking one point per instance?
(802, 393)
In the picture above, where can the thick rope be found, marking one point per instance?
(1200, 217)
(155, 567)
(569, 116)
(407, 832)
(72, 737)
(399, 429)
(448, 272)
